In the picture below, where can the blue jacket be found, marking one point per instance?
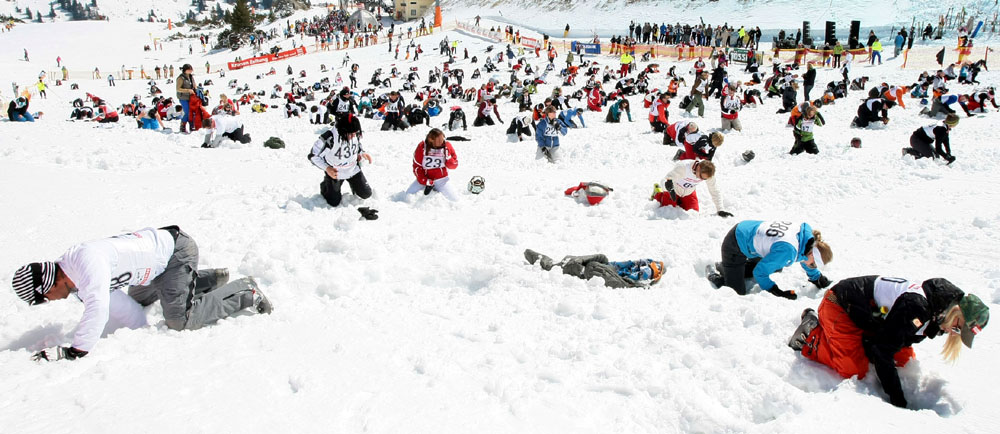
(566, 117)
(782, 254)
(546, 135)
(899, 41)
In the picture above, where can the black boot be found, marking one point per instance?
(809, 322)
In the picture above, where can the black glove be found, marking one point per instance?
(368, 213)
(669, 188)
(724, 214)
(58, 353)
(777, 292)
(821, 282)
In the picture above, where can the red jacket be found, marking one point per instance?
(594, 99)
(434, 164)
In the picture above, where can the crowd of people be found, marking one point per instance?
(861, 319)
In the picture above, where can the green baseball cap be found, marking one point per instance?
(976, 314)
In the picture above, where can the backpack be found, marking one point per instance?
(274, 143)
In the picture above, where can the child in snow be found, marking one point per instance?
(803, 132)
(431, 161)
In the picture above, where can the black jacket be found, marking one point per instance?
(809, 78)
(885, 335)
(12, 110)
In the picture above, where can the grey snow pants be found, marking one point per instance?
(187, 296)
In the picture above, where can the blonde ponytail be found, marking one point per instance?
(953, 346)
(825, 253)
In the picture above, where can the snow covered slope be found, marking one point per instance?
(116, 10)
(428, 320)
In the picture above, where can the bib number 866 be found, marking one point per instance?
(777, 229)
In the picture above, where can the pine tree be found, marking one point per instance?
(52, 11)
(240, 20)
(28, 11)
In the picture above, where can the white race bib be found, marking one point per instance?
(769, 233)
(888, 289)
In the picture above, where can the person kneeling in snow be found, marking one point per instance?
(615, 113)
(938, 135)
(150, 120)
(566, 117)
(624, 274)
(150, 264)
(681, 184)
(17, 111)
(547, 133)
(521, 127)
(431, 161)
(758, 249)
(223, 126)
(338, 153)
(804, 132)
(877, 319)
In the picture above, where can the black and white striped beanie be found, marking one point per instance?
(32, 281)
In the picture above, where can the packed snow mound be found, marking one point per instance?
(767, 14)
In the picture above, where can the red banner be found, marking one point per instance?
(266, 58)
(530, 42)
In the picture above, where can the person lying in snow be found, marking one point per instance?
(115, 277)
(640, 273)
(877, 319)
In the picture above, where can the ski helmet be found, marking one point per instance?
(856, 142)
(951, 121)
(477, 184)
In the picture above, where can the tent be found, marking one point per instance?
(363, 18)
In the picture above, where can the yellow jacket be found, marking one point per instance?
(626, 59)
